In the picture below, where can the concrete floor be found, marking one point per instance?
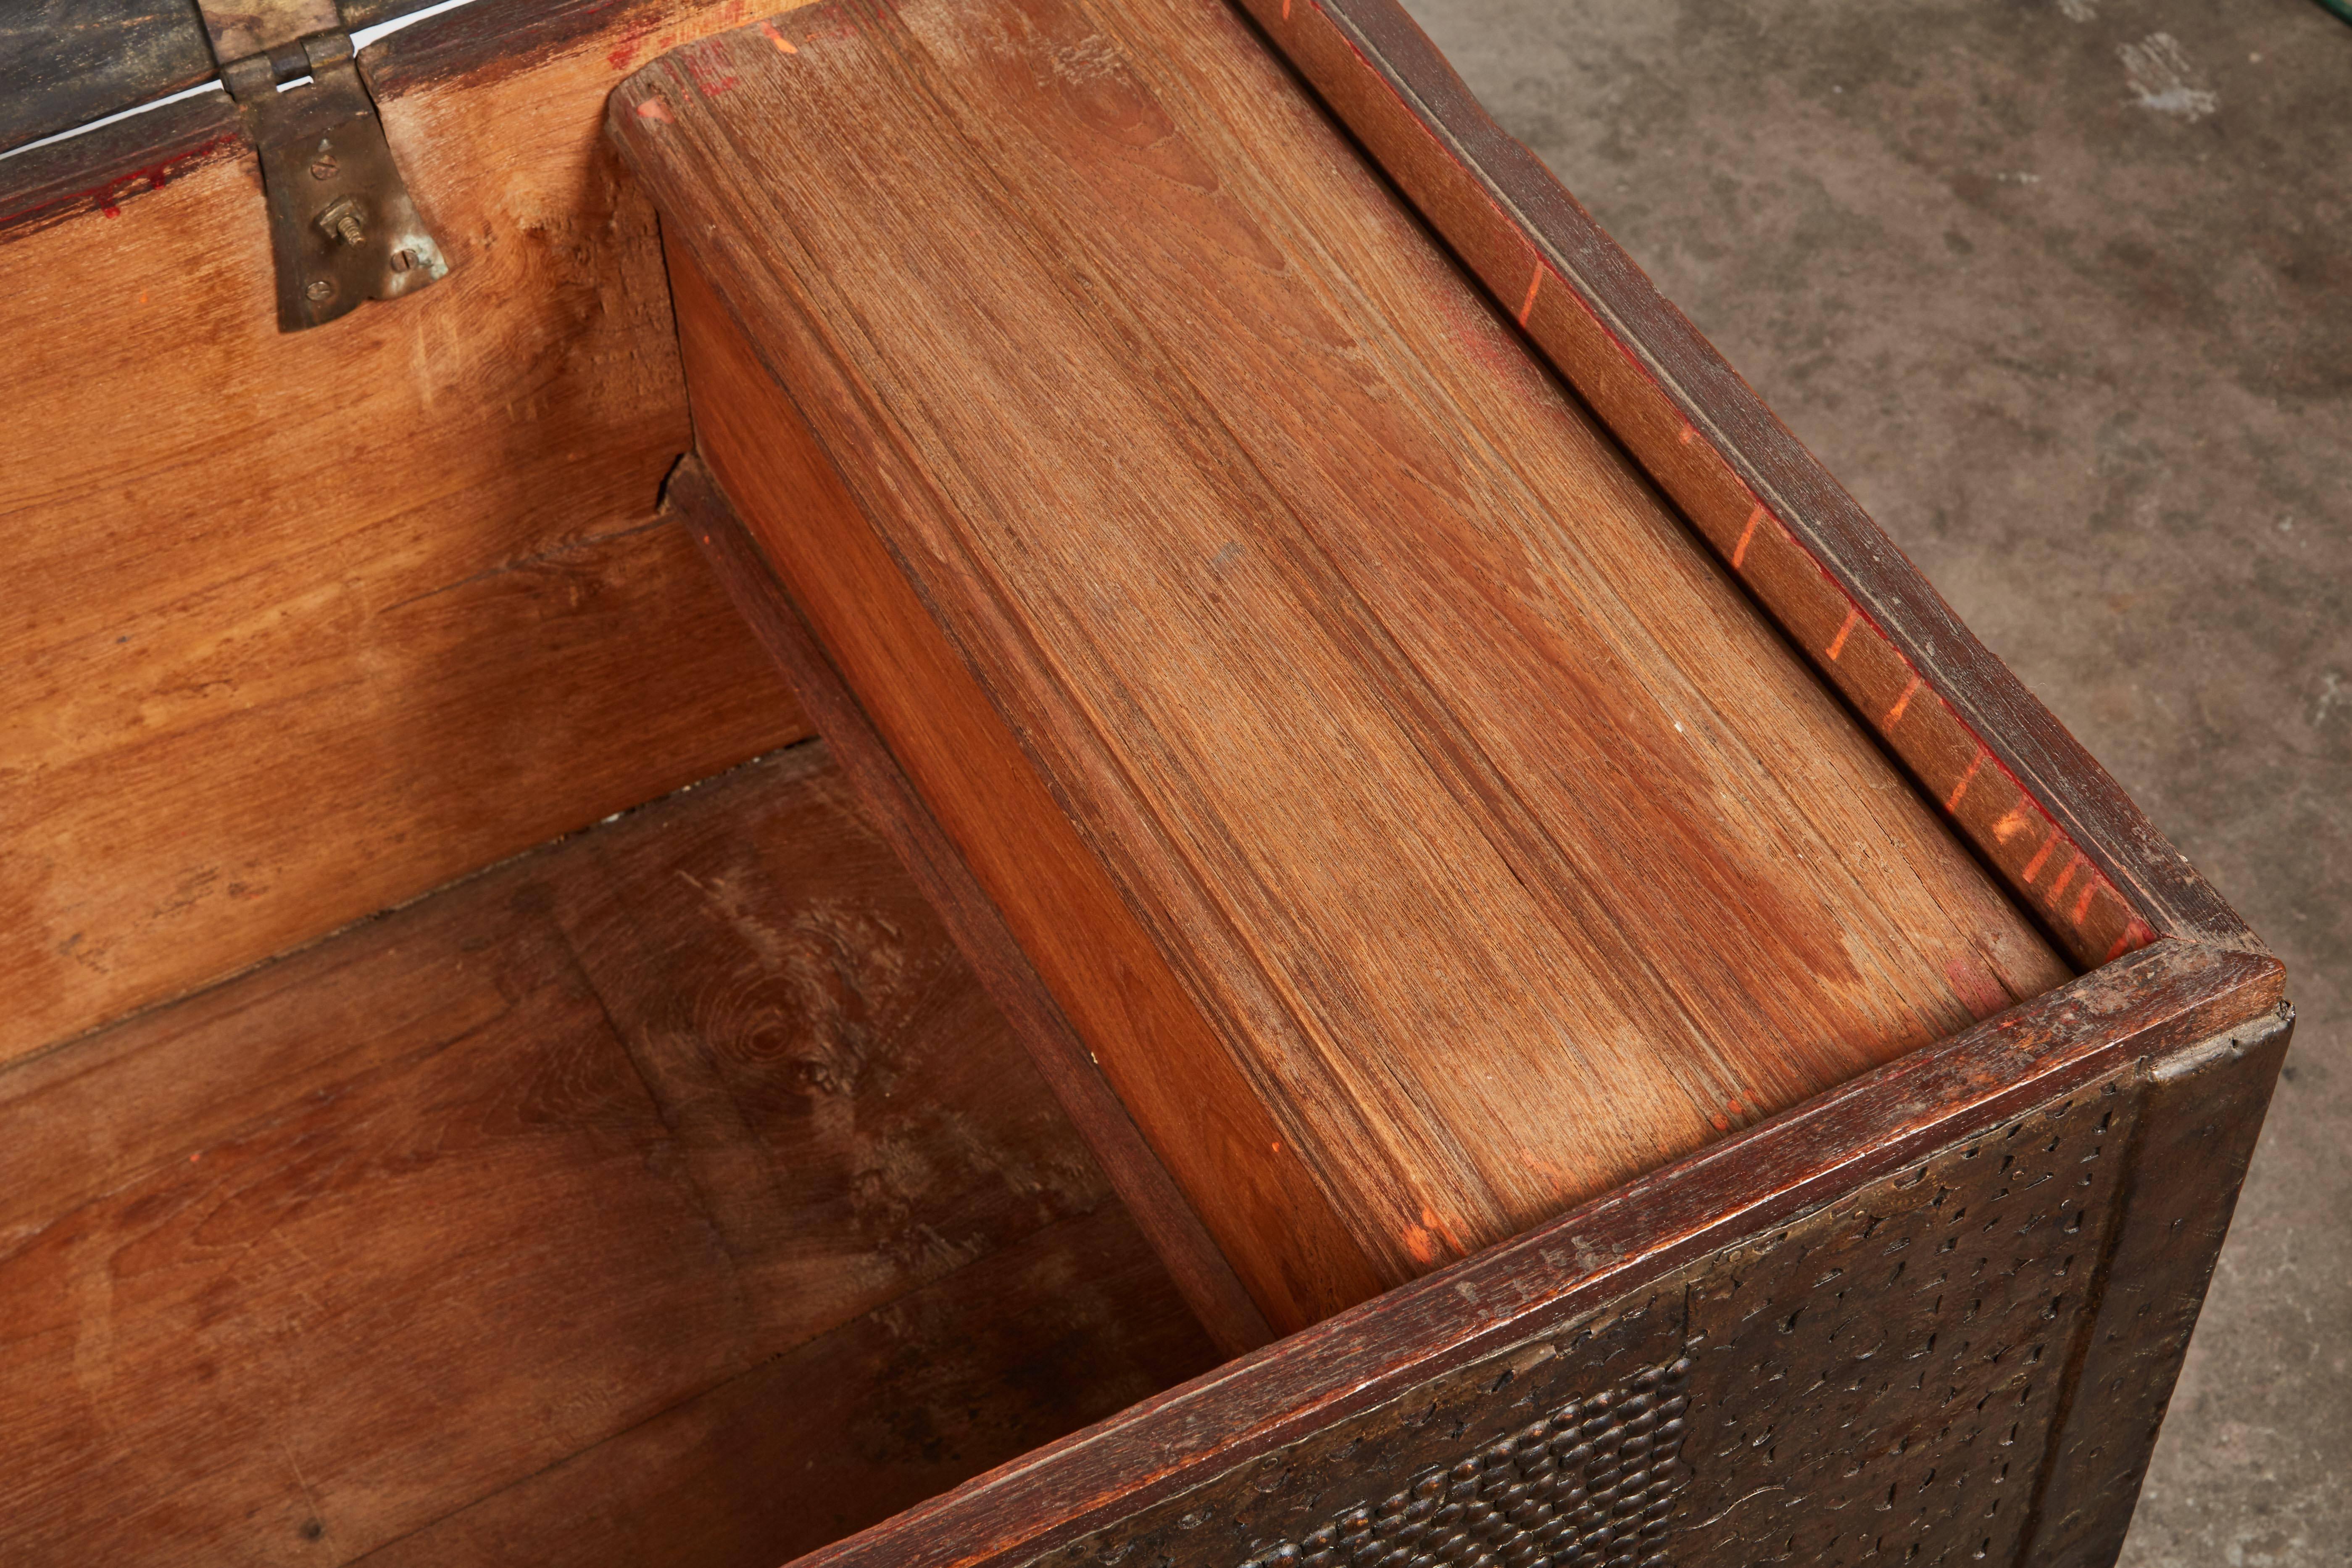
(2063, 291)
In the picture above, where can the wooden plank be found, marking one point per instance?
(299, 1266)
(2062, 834)
(1424, 784)
(1200, 1270)
(1012, 1351)
(304, 625)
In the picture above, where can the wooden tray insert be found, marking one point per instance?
(1417, 825)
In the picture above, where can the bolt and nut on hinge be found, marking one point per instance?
(341, 225)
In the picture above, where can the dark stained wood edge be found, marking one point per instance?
(2194, 1140)
(2161, 1001)
(499, 37)
(65, 67)
(1200, 1269)
(110, 167)
(2061, 835)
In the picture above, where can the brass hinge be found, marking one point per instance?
(341, 222)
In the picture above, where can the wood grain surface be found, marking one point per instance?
(1198, 1266)
(1427, 785)
(2060, 832)
(669, 1195)
(300, 627)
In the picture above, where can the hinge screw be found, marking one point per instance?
(342, 220)
(322, 289)
(324, 167)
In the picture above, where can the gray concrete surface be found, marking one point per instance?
(2063, 291)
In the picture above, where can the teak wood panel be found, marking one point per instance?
(2064, 837)
(669, 1195)
(302, 626)
(1359, 683)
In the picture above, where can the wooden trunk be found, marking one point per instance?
(1419, 918)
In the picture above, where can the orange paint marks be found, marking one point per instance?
(2012, 824)
(2033, 867)
(2082, 904)
(1961, 788)
(142, 296)
(711, 77)
(783, 45)
(1286, 10)
(655, 109)
(1735, 1107)
(1845, 629)
(1895, 714)
(1527, 305)
(1721, 1124)
(1690, 433)
(2059, 887)
(1739, 550)
(1426, 1240)
(2138, 933)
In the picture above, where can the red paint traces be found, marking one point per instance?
(1962, 787)
(2082, 904)
(783, 45)
(1845, 629)
(632, 40)
(2033, 867)
(1734, 1107)
(1286, 10)
(1895, 714)
(156, 178)
(109, 197)
(2138, 933)
(1527, 305)
(2059, 887)
(1739, 550)
(655, 109)
(1721, 1125)
(1690, 433)
(711, 78)
(1974, 984)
